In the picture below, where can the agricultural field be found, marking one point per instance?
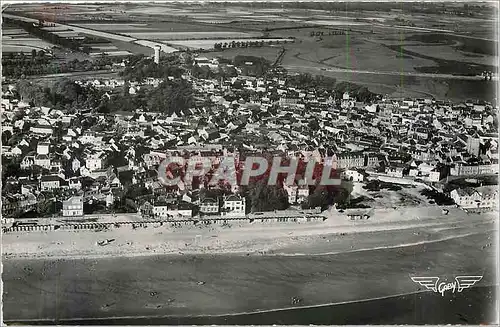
(111, 53)
(56, 28)
(389, 44)
(170, 26)
(191, 35)
(18, 40)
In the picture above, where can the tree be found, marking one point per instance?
(171, 96)
(10, 167)
(265, 197)
(32, 93)
(6, 135)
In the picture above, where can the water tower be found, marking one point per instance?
(157, 54)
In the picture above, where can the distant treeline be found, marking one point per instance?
(247, 44)
(322, 33)
(409, 7)
(18, 65)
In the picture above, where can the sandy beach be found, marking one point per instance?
(336, 234)
(164, 271)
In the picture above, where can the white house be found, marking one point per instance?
(75, 183)
(234, 205)
(50, 182)
(93, 162)
(302, 193)
(27, 162)
(209, 206)
(75, 165)
(395, 170)
(171, 211)
(73, 207)
(42, 160)
(352, 175)
(41, 129)
(291, 190)
(481, 197)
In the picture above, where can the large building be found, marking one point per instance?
(480, 197)
(209, 206)
(234, 205)
(179, 211)
(73, 207)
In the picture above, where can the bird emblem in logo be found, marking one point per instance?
(459, 284)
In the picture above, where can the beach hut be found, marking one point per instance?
(358, 214)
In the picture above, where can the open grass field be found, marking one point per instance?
(269, 53)
(17, 40)
(18, 48)
(351, 53)
(12, 32)
(30, 42)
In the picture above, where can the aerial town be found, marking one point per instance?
(68, 164)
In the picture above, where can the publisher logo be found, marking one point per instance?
(459, 284)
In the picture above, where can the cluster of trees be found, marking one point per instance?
(320, 82)
(206, 73)
(244, 44)
(306, 80)
(360, 92)
(322, 33)
(169, 97)
(19, 65)
(253, 66)
(146, 67)
(325, 196)
(63, 95)
(263, 197)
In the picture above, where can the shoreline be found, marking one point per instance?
(233, 284)
(236, 315)
(237, 252)
(339, 303)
